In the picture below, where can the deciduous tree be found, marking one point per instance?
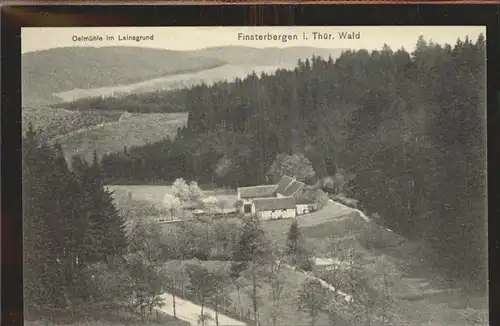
(172, 204)
(201, 284)
(249, 253)
(312, 299)
(295, 165)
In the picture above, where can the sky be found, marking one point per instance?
(191, 38)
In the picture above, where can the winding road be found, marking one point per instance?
(190, 312)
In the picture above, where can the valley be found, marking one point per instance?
(255, 186)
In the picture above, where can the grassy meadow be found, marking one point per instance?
(153, 195)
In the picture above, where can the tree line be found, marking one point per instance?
(150, 102)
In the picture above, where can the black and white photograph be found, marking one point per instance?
(260, 176)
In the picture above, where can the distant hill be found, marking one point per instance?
(66, 74)
(57, 70)
(244, 55)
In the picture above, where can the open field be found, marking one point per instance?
(138, 129)
(154, 194)
(55, 122)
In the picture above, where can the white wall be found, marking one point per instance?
(270, 215)
(303, 209)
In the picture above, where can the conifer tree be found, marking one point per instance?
(249, 254)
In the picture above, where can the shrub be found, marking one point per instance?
(320, 198)
(350, 202)
(305, 263)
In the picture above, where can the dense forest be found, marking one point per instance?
(409, 126)
(59, 204)
(152, 102)
(81, 261)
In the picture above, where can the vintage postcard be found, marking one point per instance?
(255, 175)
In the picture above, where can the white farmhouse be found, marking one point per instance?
(289, 189)
(274, 208)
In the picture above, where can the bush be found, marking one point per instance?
(305, 264)
(373, 236)
(350, 202)
(320, 198)
(108, 284)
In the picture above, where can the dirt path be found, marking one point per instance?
(190, 312)
(326, 285)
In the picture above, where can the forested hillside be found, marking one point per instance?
(409, 126)
(48, 72)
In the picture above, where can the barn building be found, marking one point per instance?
(274, 208)
(288, 190)
(248, 194)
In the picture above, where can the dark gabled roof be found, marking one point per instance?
(267, 204)
(257, 191)
(292, 188)
(284, 182)
(304, 200)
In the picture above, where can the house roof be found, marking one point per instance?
(267, 204)
(257, 191)
(292, 188)
(304, 200)
(284, 182)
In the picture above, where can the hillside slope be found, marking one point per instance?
(112, 137)
(56, 70)
(53, 122)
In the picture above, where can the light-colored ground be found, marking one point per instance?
(190, 312)
(154, 195)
